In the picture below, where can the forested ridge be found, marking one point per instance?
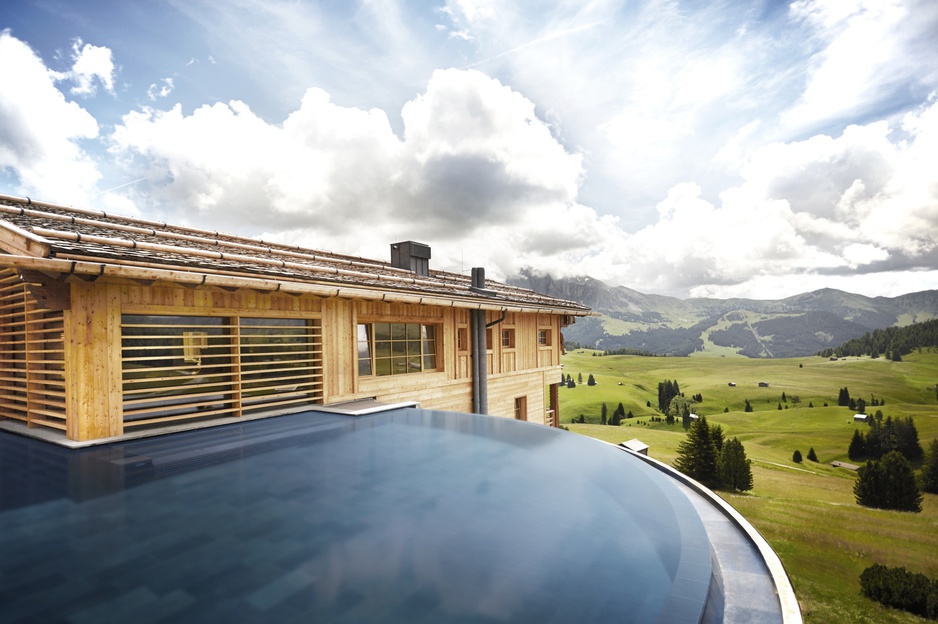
(892, 342)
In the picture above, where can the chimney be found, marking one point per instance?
(411, 256)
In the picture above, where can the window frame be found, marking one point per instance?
(521, 408)
(462, 339)
(393, 348)
(508, 338)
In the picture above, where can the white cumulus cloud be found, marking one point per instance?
(40, 131)
(92, 65)
(475, 165)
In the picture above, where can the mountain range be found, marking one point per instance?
(795, 326)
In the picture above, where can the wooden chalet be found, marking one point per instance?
(111, 325)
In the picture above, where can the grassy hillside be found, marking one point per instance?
(806, 511)
(796, 326)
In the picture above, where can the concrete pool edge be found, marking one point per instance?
(785, 593)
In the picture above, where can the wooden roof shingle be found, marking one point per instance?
(63, 240)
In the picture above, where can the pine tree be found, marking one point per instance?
(716, 434)
(591, 381)
(888, 483)
(735, 468)
(930, 469)
(796, 456)
(812, 456)
(603, 414)
(907, 439)
(843, 399)
(667, 390)
(857, 449)
(748, 407)
(696, 454)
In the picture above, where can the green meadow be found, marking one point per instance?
(806, 511)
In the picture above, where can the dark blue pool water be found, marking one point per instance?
(406, 516)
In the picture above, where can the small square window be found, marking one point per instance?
(508, 338)
(543, 337)
(396, 348)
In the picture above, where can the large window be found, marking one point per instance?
(175, 366)
(179, 367)
(280, 361)
(396, 348)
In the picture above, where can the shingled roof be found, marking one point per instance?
(60, 240)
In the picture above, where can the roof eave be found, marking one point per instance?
(16, 240)
(348, 291)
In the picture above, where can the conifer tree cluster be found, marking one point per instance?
(843, 399)
(891, 434)
(667, 390)
(891, 342)
(888, 483)
(704, 456)
(617, 416)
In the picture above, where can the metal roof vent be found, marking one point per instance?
(411, 256)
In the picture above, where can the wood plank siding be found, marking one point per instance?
(32, 357)
(99, 340)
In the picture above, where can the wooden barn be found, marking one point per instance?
(113, 325)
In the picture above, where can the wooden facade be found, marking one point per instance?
(100, 336)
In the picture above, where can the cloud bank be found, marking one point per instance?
(475, 167)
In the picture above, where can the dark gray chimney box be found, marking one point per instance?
(411, 256)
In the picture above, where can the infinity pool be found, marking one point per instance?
(404, 516)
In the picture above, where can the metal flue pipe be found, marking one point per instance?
(480, 396)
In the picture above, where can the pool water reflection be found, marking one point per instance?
(404, 516)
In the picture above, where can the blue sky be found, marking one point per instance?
(755, 149)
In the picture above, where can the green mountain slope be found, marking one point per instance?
(792, 327)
